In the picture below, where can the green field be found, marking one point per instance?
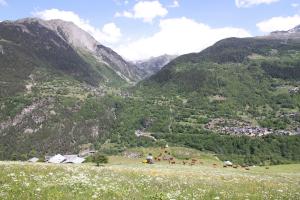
(125, 178)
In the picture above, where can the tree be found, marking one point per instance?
(100, 158)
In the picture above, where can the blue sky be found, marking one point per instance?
(139, 29)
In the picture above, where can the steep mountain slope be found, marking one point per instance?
(237, 87)
(51, 41)
(82, 41)
(252, 81)
(26, 46)
(54, 81)
(153, 65)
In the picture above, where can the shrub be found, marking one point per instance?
(100, 158)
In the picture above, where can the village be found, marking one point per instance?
(233, 127)
(247, 130)
(255, 131)
(294, 90)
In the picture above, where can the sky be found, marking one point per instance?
(140, 29)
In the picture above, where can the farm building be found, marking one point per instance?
(65, 159)
(73, 159)
(228, 163)
(57, 159)
(33, 160)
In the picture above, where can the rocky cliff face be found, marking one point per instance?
(153, 65)
(53, 84)
(66, 30)
(83, 41)
(292, 34)
(126, 70)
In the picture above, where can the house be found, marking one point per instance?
(33, 160)
(57, 159)
(74, 160)
(227, 164)
(70, 157)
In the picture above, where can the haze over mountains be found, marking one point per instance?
(290, 34)
(61, 89)
(154, 64)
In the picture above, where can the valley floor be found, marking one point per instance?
(130, 179)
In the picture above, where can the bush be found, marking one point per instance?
(100, 158)
(89, 159)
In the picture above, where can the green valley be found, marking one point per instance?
(238, 98)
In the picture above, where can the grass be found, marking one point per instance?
(125, 178)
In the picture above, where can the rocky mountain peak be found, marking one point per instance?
(293, 33)
(154, 64)
(68, 31)
(295, 30)
(75, 38)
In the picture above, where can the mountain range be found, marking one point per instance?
(62, 91)
(153, 65)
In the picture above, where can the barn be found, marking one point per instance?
(57, 159)
(33, 160)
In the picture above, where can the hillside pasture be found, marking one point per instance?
(125, 178)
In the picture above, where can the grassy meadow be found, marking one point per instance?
(125, 178)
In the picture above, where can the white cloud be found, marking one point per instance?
(110, 33)
(295, 5)
(145, 10)
(3, 3)
(175, 4)
(121, 2)
(178, 36)
(124, 14)
(279, 23)
(249, 3)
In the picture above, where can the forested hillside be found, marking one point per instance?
(238, 87)
(239, 98)
(53, 92)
